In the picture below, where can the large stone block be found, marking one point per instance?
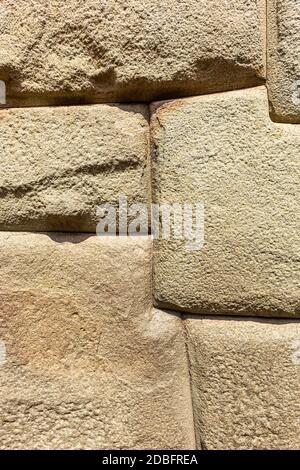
(223, 151)
(85, 360)
(245, 382)
(117, 50)
(58, 164)
(283, 71)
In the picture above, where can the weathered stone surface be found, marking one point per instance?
(58, 164)
(283, 71)
(112, 50)
(245, 381)
(85, 360)
(224, 151)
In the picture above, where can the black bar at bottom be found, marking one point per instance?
(135, 459)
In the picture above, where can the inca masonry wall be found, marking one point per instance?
(136, 342)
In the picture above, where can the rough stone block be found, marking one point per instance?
(58, 164)
(223, 151)
(283, 71)
(116, 50)
(85, 360)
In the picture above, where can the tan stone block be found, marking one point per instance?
(283, 71)
(58, 164)
(116, 50)
(85, 360)
(245, 381)
(223, 151)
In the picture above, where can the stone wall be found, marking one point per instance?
(149, 341)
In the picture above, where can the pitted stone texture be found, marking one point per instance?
(283, 71)
(85, 360)
(58, 164)
(224, 151)
(115, 50)
(245, 382)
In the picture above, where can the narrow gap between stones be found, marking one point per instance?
(185, 337)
